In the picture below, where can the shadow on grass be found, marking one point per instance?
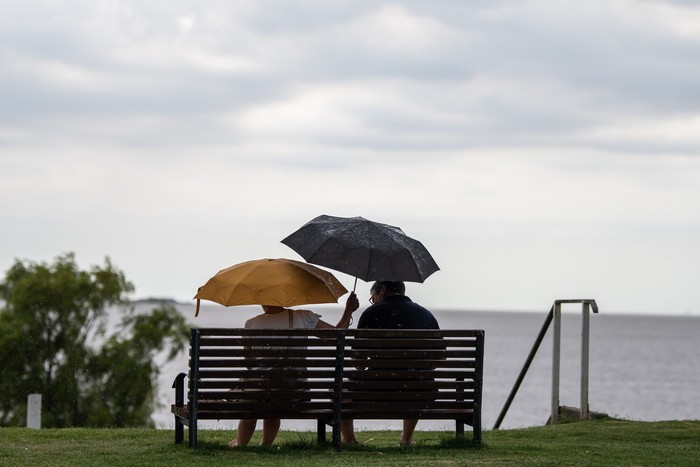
(308, 445)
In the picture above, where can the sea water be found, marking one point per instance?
(641, 367)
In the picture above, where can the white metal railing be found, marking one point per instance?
(586, 305)
(555, 315)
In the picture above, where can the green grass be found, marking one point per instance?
(596, 443)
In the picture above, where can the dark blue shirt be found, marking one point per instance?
(397, 312)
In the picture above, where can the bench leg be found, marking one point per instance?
(179, 431)
(321, 431)
(476, 436)
(193, 432)
(336, 434)
(459, 430)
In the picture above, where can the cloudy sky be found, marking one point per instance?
(539, 149)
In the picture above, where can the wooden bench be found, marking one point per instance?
(329, 374)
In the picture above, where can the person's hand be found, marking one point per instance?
(352, 303)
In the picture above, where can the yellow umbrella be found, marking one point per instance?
(274, 282)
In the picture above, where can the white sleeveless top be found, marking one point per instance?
(302, 319)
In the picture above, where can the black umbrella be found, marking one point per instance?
(362, 248)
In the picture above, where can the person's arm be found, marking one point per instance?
(351, 304)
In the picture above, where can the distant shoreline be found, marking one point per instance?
(156, 301)
(322, 306)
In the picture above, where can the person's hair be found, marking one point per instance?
(391, 287)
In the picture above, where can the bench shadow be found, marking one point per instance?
(209, 447)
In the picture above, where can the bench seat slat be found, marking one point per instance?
(394, 405)
(236, 332)
(411, 333)
(350, 333)
(418, 394)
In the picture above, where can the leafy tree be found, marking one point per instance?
(54, 341)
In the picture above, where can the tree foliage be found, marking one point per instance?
(54, 341)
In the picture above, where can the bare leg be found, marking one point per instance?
(407, 434)
(347, 432)
(245, 431)
(271, 427)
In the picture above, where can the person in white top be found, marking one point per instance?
(277, 317)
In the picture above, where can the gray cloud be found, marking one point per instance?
(563, 121)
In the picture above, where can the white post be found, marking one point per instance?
(556, 353)
(34, 411)
(585, 325)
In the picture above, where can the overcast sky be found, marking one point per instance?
(539, 149)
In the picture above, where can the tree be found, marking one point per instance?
(54, 340)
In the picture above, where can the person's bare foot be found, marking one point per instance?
(405, 441)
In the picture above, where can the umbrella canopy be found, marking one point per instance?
(362, 248)
(275, 282)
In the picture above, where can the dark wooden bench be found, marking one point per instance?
(329, 374)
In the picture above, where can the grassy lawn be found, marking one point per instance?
(601, 442)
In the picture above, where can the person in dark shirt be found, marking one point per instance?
(392, 309)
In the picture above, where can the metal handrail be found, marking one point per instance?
(555, 313)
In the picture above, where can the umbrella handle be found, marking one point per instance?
(196, 312)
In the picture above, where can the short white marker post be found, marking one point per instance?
(34, 411)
